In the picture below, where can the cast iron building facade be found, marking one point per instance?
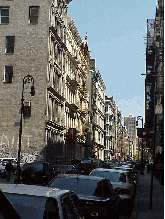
(97, 110)
(43, 42)
(154, 82)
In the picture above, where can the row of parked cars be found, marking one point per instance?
(105, 192)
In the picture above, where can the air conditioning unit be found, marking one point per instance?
(27, 109)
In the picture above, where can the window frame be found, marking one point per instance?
(33, 16)
(1, 8)
(5, 68)
(66, 200)
(10, 52)
(77, 204)
(51, 208)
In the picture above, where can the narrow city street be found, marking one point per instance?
(142, 200)
(82, 109)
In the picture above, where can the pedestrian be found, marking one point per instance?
(8, 168)
(148, 167)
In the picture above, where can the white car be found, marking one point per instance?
(31, 201)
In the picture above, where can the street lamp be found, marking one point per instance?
(141, 172)
(26, 79)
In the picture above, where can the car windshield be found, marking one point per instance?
(65, 168)
(112, 176)
(86, 161)
(79, 186)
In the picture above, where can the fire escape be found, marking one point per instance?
(150, 81)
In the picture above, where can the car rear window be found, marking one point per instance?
(112, 176)
(79, 186)
(38, 166)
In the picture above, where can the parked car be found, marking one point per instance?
(107, 165)
(97, 194)
(31, 201)
(2, 170)
(65, 169)
(85, 168)
(97, 162)
(132, 173)
(122, 185)
(37, 173)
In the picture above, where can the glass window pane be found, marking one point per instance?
(67, 209)
(34, 20)
(8, 73)
(80, 186)
(9, 44)
(4, 20)
(5, 12)
(122, 178)
(9, 69)
(34, 12)
(86, 187)
(78, 204)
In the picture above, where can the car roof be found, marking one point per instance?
(74, 176)
(33, 190)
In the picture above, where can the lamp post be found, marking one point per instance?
(26, 79)
(141, 172)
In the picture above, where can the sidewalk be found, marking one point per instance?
(12, 178)
(142, 200)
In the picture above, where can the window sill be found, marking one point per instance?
(10, 53)
(33, 23)
(4, 24)
(7, 82)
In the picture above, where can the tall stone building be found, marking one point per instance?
(109, 128)
(119, 135)
(97, 110)
(43, 42)
(76, 94)
(130, 123)
(113, 129)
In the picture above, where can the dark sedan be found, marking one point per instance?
(37, 173)
(65, 169)
(96, 193)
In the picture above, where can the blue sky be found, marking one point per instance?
(115, 31)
